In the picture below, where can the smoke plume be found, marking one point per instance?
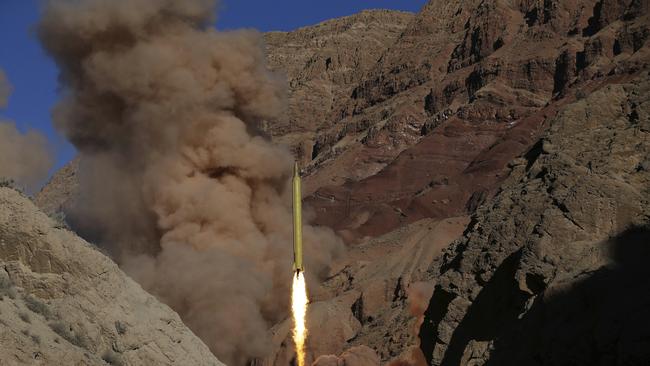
(175, 179)
(24, 158)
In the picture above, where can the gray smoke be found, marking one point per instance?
(24, 158)
(175, 180)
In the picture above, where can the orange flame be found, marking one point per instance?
(299, 310)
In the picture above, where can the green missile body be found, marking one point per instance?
(297, 221)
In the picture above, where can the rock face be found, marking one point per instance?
(373, 299)
(530, 117)
(400, 117)
(61, 300)
(322, 64)
(60, 190)
(467, 87)
(553, 270)
(355, 356)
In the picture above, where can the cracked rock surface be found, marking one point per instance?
(554, 269)
(64, 302)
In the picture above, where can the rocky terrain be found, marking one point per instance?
(373, 299)
(323, 64)
(553, 270)
(459, 107)
(532, 263)
(467, 87)
(487, 162)
(416, 116)
(62, 301)
(58, 193)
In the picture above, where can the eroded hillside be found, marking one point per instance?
(322, 64)
(468, 87)
(514, 132)
(560, 248)
(64, 302)
(553, 270)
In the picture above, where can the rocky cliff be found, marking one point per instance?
(322, 64)
(400, 117)
(553, 270)
(62, 301)
(550, 271)
(488, 163)
(459, 108)
(466, 88)
(55, 198)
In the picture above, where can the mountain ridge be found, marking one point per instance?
(458, 161)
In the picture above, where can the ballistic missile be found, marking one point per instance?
(297, 221)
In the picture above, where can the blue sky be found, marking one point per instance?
(33, 75)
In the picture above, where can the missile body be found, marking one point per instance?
(297, 221)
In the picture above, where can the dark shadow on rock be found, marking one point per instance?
(435, 312)
(599, 318)
(603, 319)
(495, 308)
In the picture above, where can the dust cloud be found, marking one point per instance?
(25, 158)
(176, 180)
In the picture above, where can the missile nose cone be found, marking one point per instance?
(296, 170)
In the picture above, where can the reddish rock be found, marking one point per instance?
(502, 71)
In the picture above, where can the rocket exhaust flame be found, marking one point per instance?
(299, 302)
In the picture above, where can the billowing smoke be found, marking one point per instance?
(175, 179)
(24, 158)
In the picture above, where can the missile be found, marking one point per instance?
(297, 221)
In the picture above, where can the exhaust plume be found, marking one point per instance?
(299, 301)
(176, 181)
(24, 158)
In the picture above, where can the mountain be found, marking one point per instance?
(487, 163)
(61, 299)
(322, 65)
(471, 99)
(553, 270)
(466, 88)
